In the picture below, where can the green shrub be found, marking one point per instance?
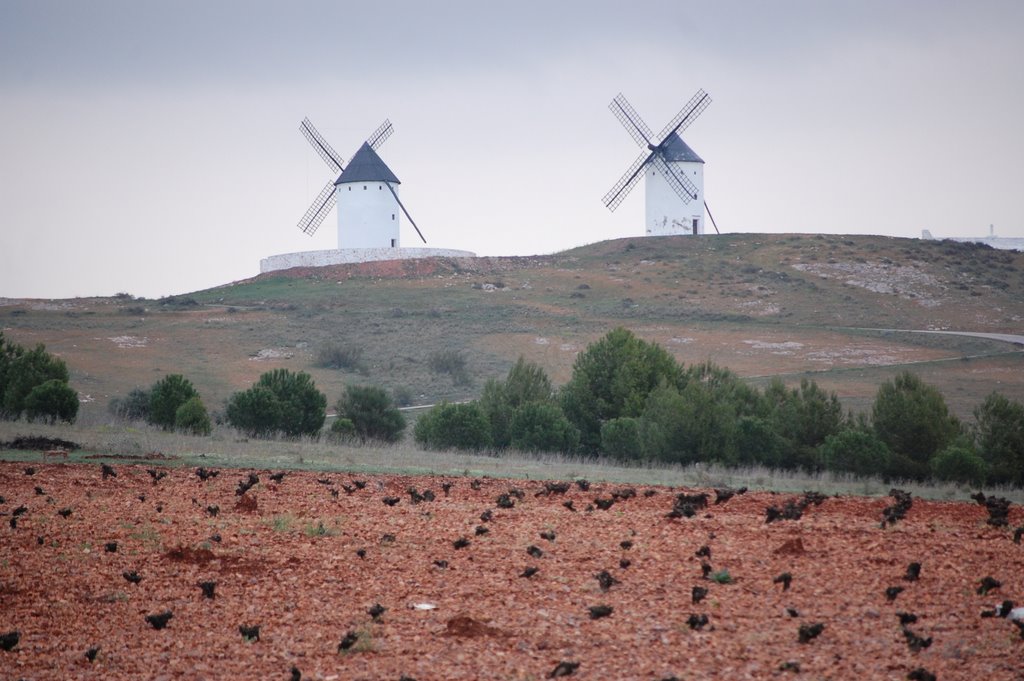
(959, 463)
(132, 407)
(453, 426)
(334, 355)
(451, 362)
(999, 431)
(279, 402)
(372, 413)
(542, 427)
(191, 417)
(166, 395)
(856, 451)
(343, 428)
(52, 401)
(402, 396)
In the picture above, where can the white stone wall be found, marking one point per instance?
(368, 216)
(348, 256)
(666, 213)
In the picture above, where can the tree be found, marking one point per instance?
(958, 462)
(525, 383)
(304, 408)
(999, 431)
(453, 426)
(620, 439)
(542, 427)
(372, 413)
(611, 379)
(256, 411)
(805, 417)
(22, 370)
(912, 419)
(52, 401)
(857, 451)
(279, 402)
(166, 395)
(191, 417)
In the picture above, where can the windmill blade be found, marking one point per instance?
(327, 153)
(681, 184)
(631, 120)
(318, 210)
(380, 135)
(402, 206)
(626, 183)
(687, 115)
(713, 223)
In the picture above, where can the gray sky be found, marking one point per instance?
(153, 147)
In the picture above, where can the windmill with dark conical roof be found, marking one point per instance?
(673, 172)
(365, 192)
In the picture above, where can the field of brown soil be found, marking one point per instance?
(306, 556)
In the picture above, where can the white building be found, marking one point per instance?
(368, 210)
(667, 213)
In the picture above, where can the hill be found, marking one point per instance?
(762, 305)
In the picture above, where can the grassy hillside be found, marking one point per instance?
(763, 305)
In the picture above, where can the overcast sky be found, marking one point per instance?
(153, 147)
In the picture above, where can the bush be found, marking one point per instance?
(451, 362)
(372, 413)
(21, 371)
(52, 401)
(343, 428)
(856, 451)
(279, 402)
(453, 426)
(133, 407)
(191, 417)
(337, 356)
(999, 430)
(166, 395)
(542, 427)
(912, 419)
(402, 396)
(959, 463)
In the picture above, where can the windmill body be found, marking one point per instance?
(665, 213)
(368, 213)
(369, 210)
(673, 172)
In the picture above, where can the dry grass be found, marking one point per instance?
(224, 449)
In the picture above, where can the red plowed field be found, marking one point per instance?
(304, 560)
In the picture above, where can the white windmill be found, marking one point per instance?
(365, 191)
(673, 172)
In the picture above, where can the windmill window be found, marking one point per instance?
(380, 188)
(392, 216)
(350, 188)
